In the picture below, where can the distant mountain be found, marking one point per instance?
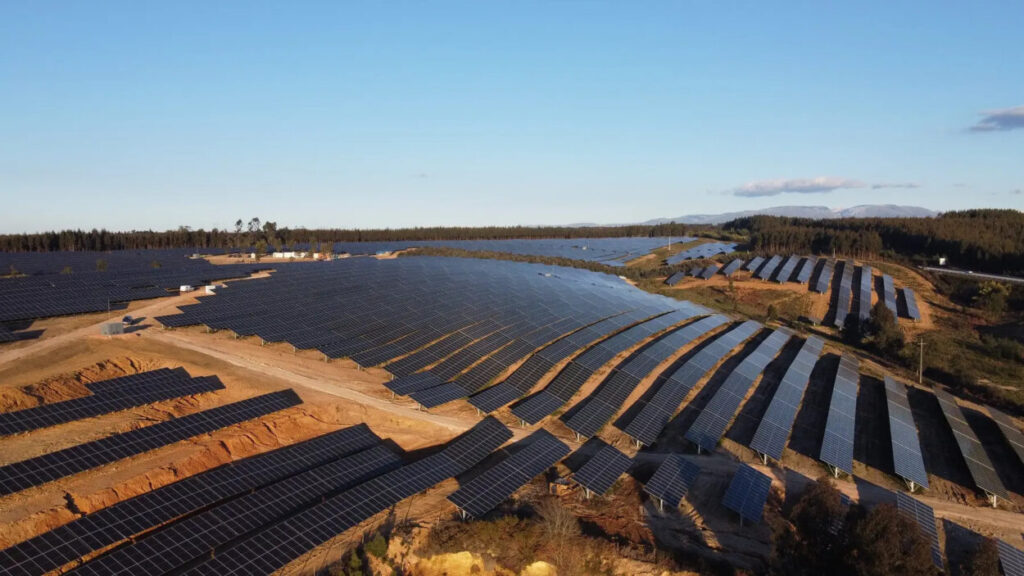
(816, 212)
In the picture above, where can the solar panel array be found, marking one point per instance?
(200, 535)
(777, 423)
(754, 264)
(534, 454)
(978, 463)
(39, 470)
(600, 406)
(824, 278)
(710, 425)
(864, 293)
(675, 278)
(116, 394)
(88, 290)
(769, 268)
(1011, 559)
(118, 522)
(523, 379)
(608, 251)
(888, 295)
(1010, 431)
(647, 425)
(600, 472)
(786, 270)
(414, 323)
(672, 480)
(703, 251)
(562, 388)
(844, 293)
(747, 493)
(906, 445)
(924, 516)
(732, 267)
(837, 445)
(274, 546)
(803, 273)
(910, 304)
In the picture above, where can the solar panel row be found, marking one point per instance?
(906, 446)
(702, 251)
(675, 278)
(607, 399)
(864, 293)
(711, 423)
(837, 445)
(777, 423)
(910, 304)
(754, 264)
(978, 463)
(769, 268)
(824, 278)
(785, 271)
(888, 295)
(533, 455)
(267, 550)
(842, 295)
(803, 274)
(732, 267)
(118, 522)
(561, 389)
(134, 390)
(647, 425)
(201, 535)
(1010, 431)
(42, 469)
(1010, 559)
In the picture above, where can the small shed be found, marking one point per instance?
(186, 288)
(112, 329)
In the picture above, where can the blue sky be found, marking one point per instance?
(356, 114)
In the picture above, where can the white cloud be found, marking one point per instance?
(796, 186)
(881, 185)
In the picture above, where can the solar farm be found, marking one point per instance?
(275, 422)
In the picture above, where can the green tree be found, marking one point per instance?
(884, 332)
(814, 542)
(771, 314)
(261, 249)
(982, 561)
(377, 546)
(991, 298)
(883, 542)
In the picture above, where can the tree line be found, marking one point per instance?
(246, 234)
(983, 240)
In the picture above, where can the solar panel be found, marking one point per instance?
(652, 418)
(824, 278)
(910, 304)
(864, 293)
(134, 392)
(601, 471)
(769, 268)
(888, 295)
(777, 423)
(754, 264)
(906, 446)
(786, 270)
(982, 471)
(708, 272)
(843, 295)
(695, 272)
(710, 425)
(747, 493)
(702, 251)
(732, 267)
(274, 546)
(1010, 559)
(122, 520)
(535, 454)
(42, 469)
(803, 274)
(837, 445)
(607, 399)
(1010, 431)
(675, 278)
(202, 534)
(924, 516)
(672, 480)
